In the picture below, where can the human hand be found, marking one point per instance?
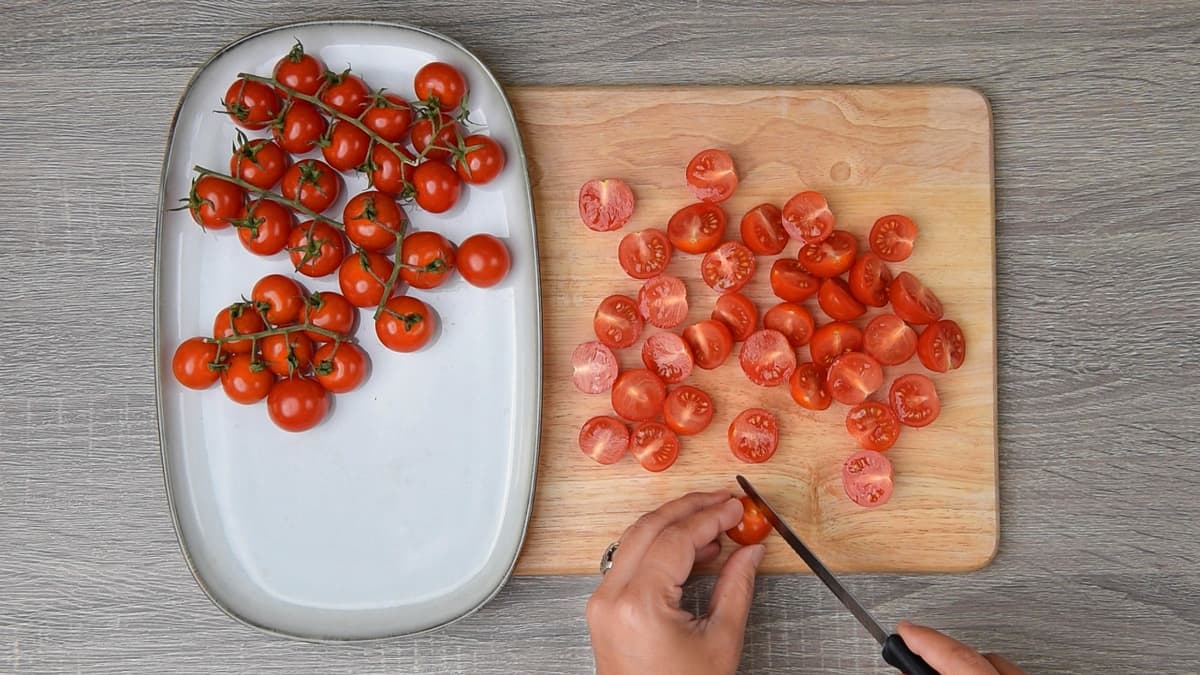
(634, 616)
(951, 657)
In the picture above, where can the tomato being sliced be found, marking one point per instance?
(753, 527)
(873, 425)
(767, 358)
(738, 313)
(711, 175)
(792, 320)
(867, 478)
(912, 301)
(654, 445)
(605, 204)
(729, 267)
(807, 218)
(837, 301)
(605, 439)
(790, 282)
(762, 230)
(711, 342)
(662, 301)
(830, 256)
(853, 377)
(869, 279)
(832, 340)
(594, 367)
(668, 356)
(892, 237)
(807, 387)
(644, 254)
(914, 399)
(754, 435)
(697, 228)
(889, 340)
(638, 395)
(617, 322)
(688, 410)
(942, 346)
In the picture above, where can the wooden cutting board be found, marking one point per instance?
(925, 151)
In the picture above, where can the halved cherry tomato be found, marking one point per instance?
(867, 478)
(697, 228)
(340, 367)
(478, 159)
(688, 410)
(892, 237)
(246, 379)
(668, 356)
(915, 400)
(792, 320)
(435, 136)
(250, 104)
(316, 249)
(654, 445)
(738, 313)
(762, 230)
(644, 254)
(363, 277)
(372, 220)
(330, 311)
(617, 322)
(390, 173)
(767, 358)
(406, 324)
(729, 267)
(345, 93)
(754, 435)
(807, 218)
(942, 346)
(299, 71)
(605, 204)
(594, 367)
(346, 146)
(711, 342)
(711, 175)
(889, 340)
(389, 116)
(662, 301)
(807, 386)
(638, 395)
(297, 404)
(873, 425)
(869, 279)
(437, 186)
(853, 377)
(790, 282)
(195, 364)
(912, 301)
(311, 182)
(259, 162)
(286, 353)
(215, 203)
(240, 318)
(830, 256)
(753, 527)
(266, 228)
(440, 83)
(605, 439)
(483, 260)
(837, 301)
(832, 340)
(432, 256)
(300, 128)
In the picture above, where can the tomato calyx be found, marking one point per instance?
(245, 148)
(409, 320)
(296, 54)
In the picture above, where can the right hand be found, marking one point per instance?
(951, 657)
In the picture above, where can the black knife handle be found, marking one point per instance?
(897, 654)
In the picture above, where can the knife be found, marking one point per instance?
(895, 652)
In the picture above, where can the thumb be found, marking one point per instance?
(731, 597)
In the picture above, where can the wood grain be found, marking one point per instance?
(1097, 193)
(923, 151)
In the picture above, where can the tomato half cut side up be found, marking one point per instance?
(767, 358)
(832, 340)
(738, 313)
(644, 254)
(594, 367)
(873, 426)
(605, 204)
(853, 377)
(790, 282)
(915, 400)
(711, 342)
(654, 446)
(662, 301)
(807, 218)
(638, 395)
(795, 322)
(807, 387)
(869, 280)
(754, 435)
(688, 410)
(617, 322)
(892, 237)
(762, 230)
(729, 267)
(912, 301)
(605, 439)
(867, 478)
(889, 340)
(942, 346)
(830, 256)
(697, 228)
(838, 302)
(711, 175)
(668, 356)
(753, 527)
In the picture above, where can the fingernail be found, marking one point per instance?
(756, 556)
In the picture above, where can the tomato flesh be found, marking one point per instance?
(837, 301)
(697, 228)
(889, 340)
(892, 237)
(867, 478)
(668, 356)
(605, 439)
(830, 256)
(762, 230)
(853, 377)
(662, 301)
(792, 320)
(767, 358)
(790, 282)
(644, 254)
(912, 301)
(729, 267)
(753, 527)
(638, 395)
(807, 218)
(738, 313)
(654, 446)
(594, 367)
(688, 410)
(915, 400)
(605, 204)
(711, 343)
(617, 321)
(832, 340)
(754, 435)
(807, 387)
(869, 280)
(711, 175)
(942, 346)
(873, 425)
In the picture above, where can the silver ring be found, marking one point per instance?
(606, 560)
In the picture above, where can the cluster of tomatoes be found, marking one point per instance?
(846, 362)
(414, 151)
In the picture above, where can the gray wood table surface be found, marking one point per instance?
(1098, 200)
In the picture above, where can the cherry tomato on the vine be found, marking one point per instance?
(286, 353)
(300, 128)
(406, 324)
(479, 159)
(435, 137)
(246, 379)
(297, 403)
(482, 260)
(437, 186)
(250, 104)
(340, 367)
(300, 71)
(373, 220)
(215, 203)
(433, 257)
(390, 173)
(195, 364)
(266, 227)
(316, 248)
(345, 93)
(345, 146)
(440, 83)
(389, 116)
(281, 298)
(311, 182)
(240, 318)
(330, 311)
(363, 277)
(259, 162)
